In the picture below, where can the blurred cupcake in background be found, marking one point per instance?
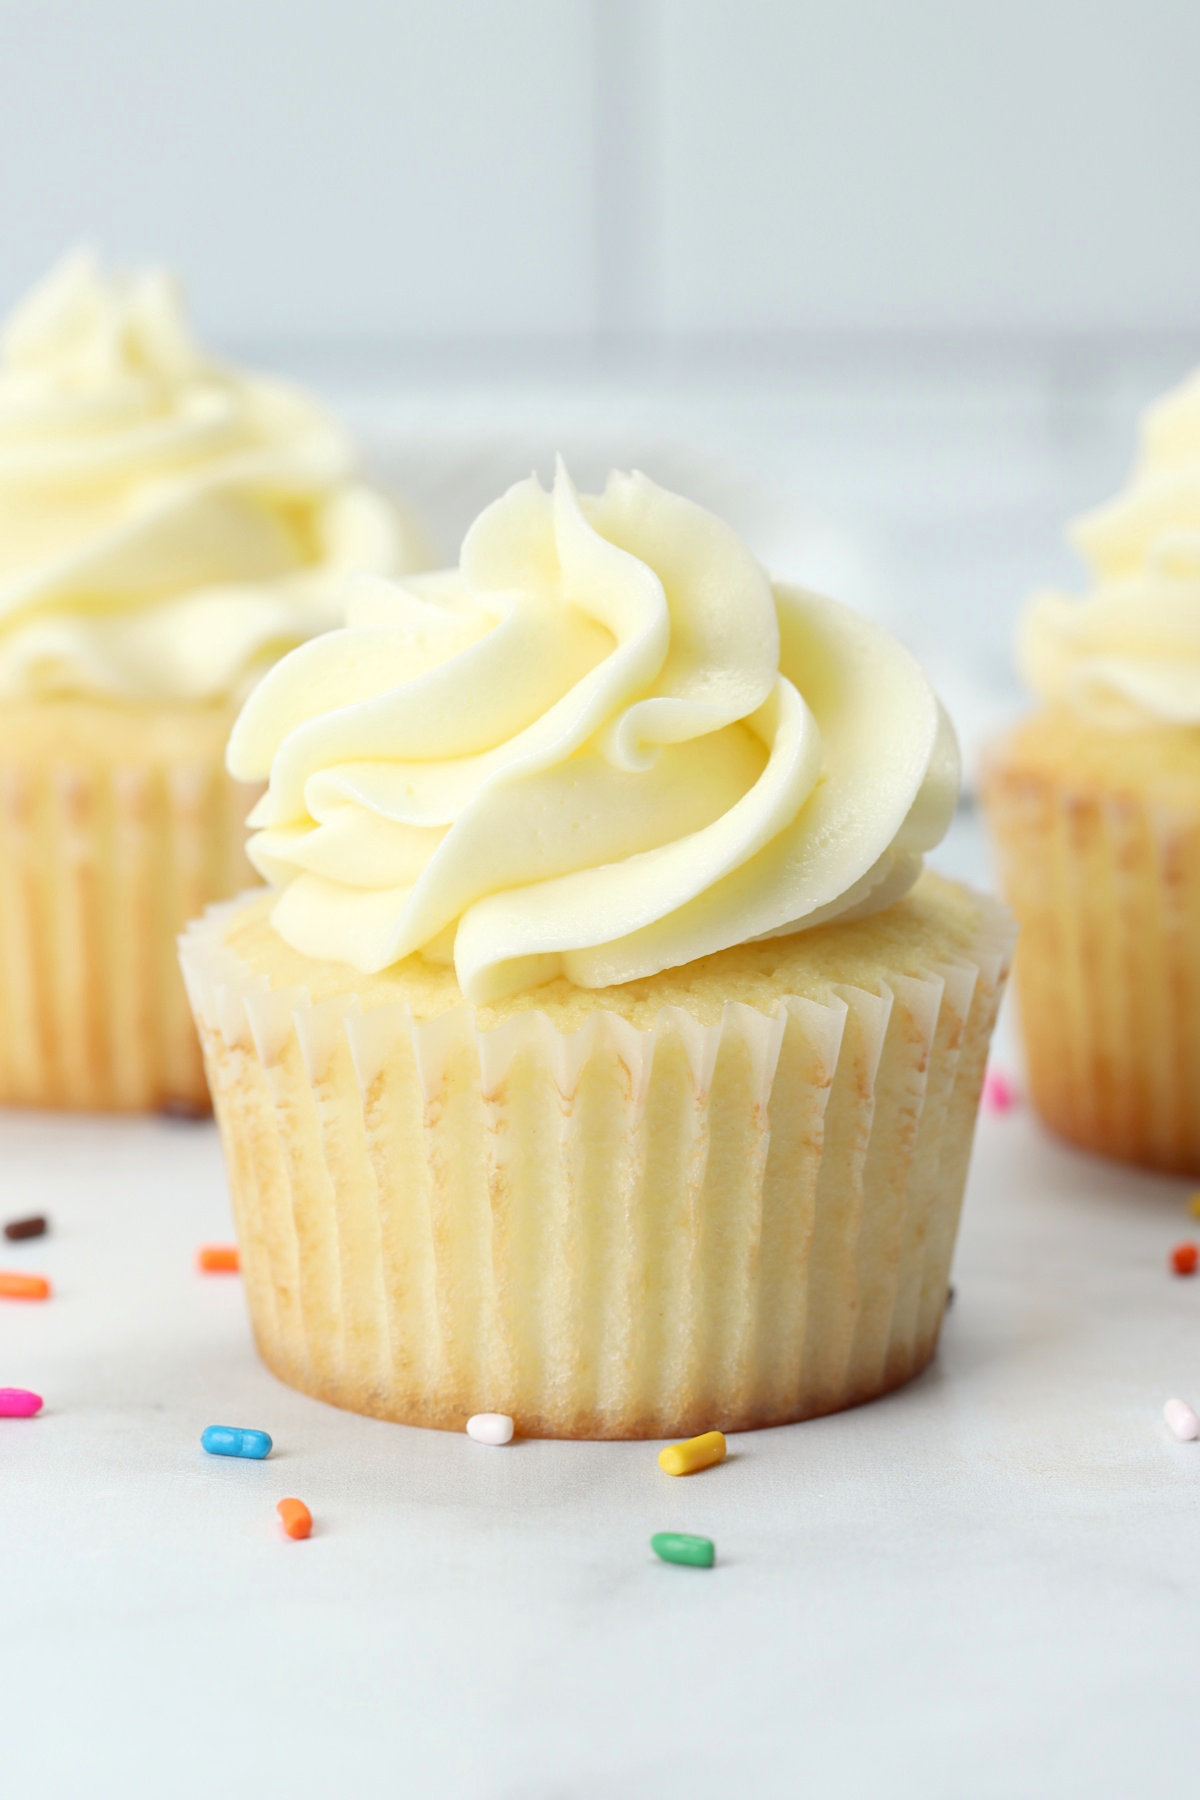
(604, 1057)
(168, 528)
(1094, 806)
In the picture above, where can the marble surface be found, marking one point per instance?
(986, 1584)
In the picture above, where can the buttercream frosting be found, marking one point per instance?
(168, 525)
(1128, 652)
(603, 746)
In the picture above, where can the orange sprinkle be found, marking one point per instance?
(297, 1520)
(1184, 1258)
(218, 1259)
(23, 1287)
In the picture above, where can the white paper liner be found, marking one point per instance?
(100, 867)
(1107, 890)
(609, 1232)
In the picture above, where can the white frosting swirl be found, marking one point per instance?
(1129, 652)
(168, 527)
(601, 747)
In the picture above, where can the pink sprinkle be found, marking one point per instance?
(999, 1092)
(19, 1403)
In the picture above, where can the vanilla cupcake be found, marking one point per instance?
(601, 1054)
(168, 528)
(1094, 804)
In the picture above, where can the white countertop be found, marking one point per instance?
(986, 1585)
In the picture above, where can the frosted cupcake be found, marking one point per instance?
(602, 1055)
(168, 528)
(1094, 804)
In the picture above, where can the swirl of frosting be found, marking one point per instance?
(1129, 652)
(168, 527)
(601, 747)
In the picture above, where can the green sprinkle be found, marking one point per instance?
(682, 1547)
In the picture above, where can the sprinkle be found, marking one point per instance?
(490, 1428)
(23, 1287)
(1194, 1206)
(682, 1547)
(218, 1259)
(1181, 1419)
(697, 1453)
(1184, 1258)
(296, 1518)
(19, 1403)
(999, 1093)
(25, 1228)
(234, 1440)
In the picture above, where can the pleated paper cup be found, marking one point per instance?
(608, 1232)
(1103, 873)
(116, 827)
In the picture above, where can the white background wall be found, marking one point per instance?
(883, 281)
(400, 170)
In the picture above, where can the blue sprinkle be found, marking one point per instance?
(233, 1440)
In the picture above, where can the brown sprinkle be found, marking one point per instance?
(35, 1226)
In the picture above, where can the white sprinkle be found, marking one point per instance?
(1181, 1419)
(490, 1428)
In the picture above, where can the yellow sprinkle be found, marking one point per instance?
(698, 1453)
(1194, 1206)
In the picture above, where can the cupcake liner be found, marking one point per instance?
(1106, 886)
(100, 866)
(610, 1232)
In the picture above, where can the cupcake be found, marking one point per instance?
(1094, 807)
(168, 528)
(600, 1053)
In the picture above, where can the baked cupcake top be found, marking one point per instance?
(605, 745)
(1128, 652)
(168, 525)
